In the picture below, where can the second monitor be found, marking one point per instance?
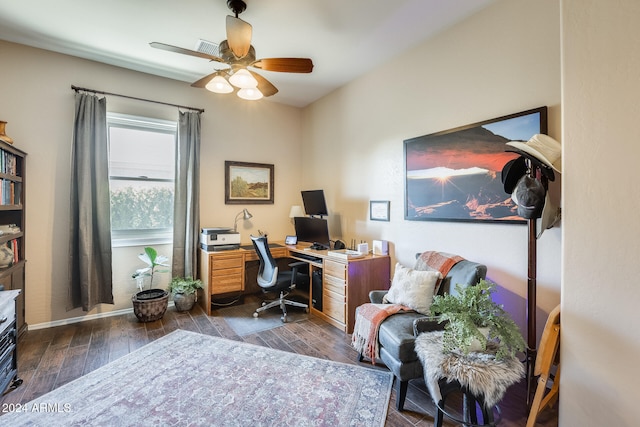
(312, 230)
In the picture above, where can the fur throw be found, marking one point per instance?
(480, 373)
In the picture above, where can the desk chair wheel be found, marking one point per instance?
(264, 303)
(284, 318)
(255, 314)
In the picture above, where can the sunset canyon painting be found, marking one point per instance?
(456, 175)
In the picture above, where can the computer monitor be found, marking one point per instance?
(314, 203)
(312, 230)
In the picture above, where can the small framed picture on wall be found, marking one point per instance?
(379, 210)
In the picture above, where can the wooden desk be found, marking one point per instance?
(345, 283)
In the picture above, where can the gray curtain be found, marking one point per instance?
(186, 213)
(90, 237)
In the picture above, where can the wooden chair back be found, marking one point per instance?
(548, 356)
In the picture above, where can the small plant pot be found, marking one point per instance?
(476, 345)
(184, 302)
(150, 305)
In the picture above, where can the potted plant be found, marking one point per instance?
(184, 292)
(151, 304)
(471, 310)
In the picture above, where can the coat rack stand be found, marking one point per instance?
(542, 155)
(532, 351)
(531, 308)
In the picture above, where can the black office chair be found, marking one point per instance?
(272, 280)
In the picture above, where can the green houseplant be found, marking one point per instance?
(151, 304)
(471, 310)
(184, 292)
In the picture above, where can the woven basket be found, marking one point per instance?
(150, 305)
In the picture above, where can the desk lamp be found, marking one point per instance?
(295, 211)
(245, 216)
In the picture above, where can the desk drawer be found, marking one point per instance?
(335, 269)
(275, 252)
(279, 252)
(227, 262)
(333, 305)
(226, 280)
(335, 285)
(252, 256)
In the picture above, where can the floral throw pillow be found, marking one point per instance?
(413, 288)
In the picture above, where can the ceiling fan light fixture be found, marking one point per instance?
(237, 54)
(243, 79)
(219, 84)
(250, 93)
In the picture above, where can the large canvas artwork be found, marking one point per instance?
(455, 175)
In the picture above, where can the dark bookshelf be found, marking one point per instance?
(12, 225)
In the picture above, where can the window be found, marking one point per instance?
(141, 179)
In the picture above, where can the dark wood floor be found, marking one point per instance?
(49, 358)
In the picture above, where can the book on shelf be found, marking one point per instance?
(17, 193)
(7, 163)
(10, 192)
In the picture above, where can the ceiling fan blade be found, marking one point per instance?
(206, 79)
(238, 36)
(184, 51)
(285, 65)
(264, 85)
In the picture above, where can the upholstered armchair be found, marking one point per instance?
(397, 332)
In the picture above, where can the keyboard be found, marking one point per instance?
(306, 257)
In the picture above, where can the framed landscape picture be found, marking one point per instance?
(455, 175)
(248, 183)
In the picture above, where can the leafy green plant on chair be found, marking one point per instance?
(470, 310)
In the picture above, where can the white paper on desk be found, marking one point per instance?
(345, 254)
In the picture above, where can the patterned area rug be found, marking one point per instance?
(186, 378)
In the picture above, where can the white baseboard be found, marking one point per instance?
(79, 319)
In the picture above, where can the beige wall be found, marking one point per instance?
(486, 67)
(600, 293)
(37, 102)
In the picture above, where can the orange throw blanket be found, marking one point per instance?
(441, 261)
(365, 331)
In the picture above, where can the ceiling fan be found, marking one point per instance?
(237, 53)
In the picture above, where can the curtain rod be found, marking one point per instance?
(200, 110)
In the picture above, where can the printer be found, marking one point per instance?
(219, 239)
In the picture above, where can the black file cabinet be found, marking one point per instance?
(316, 291)
(8, 341)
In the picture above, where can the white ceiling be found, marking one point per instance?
(344, 38)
